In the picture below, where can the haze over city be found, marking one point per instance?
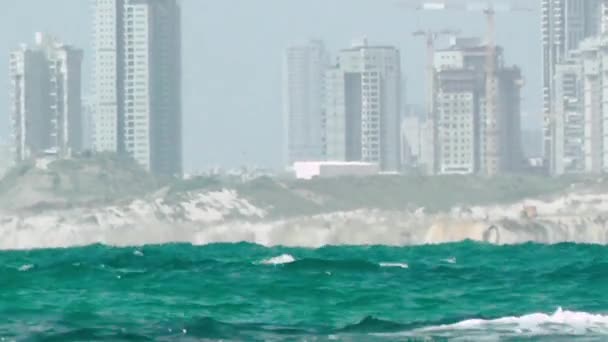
(304, 170)
(233, 53)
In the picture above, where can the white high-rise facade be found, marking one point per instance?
(363, 101)
(564, 24)
(582, 112)
(137, 106)
(46, 99)
(304, 69)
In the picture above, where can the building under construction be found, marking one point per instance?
(461, 118)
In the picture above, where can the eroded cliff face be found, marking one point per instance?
(204, 217)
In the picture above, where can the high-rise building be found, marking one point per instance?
(604, 17)
(569, 123)
(88, 109)
(46, 98)
(6, 157)
(137, 106)
(458, 121)
(413, 121)
(461, 117)
(363, 105)
(411, 140)
(581, 112)
(303, 72)
(564, 24)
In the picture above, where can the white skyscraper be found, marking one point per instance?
(46, 98)
(564, 24)
(304, 69)
(582, 112)
(362, 111)
(137, 106)
(569, 123)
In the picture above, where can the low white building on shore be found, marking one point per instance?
(328, 169)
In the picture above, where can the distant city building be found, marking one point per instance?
(531, 142)
(7, 159)
(427, 160)
(461, 115)
(569, 118)
(581, 112)
(604, 17)
(363, 106)
(46, 98)
(303, 73)
(411, 135)
(565, 23)
(137, 105)
(88, 131)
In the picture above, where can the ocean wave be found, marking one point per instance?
(354, 265)
(537, 326)
(394, 264)
(560, 323)
(372, 325)
(25, 268)
(279, 260)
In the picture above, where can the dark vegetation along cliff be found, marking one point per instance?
(82, 181)
(108, 179)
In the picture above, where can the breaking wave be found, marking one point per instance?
(279, 260)
(394, 264)
(560, 323)
(536, 325)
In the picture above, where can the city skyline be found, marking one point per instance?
(564, 24)
(207, 124)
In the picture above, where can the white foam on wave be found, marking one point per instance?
(536, 324)
(25, 268)
(279, 260)
(394, 264)
(451, 260)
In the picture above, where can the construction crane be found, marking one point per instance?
(492, 146)
(430, 37)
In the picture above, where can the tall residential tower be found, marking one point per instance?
(304, 69)
(46, 99)
(564, 24)
(363, 106)
(137, 105)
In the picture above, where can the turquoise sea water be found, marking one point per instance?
(244, 292)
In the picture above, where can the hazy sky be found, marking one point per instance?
(232, 57)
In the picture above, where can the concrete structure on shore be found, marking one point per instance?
(327, 169)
